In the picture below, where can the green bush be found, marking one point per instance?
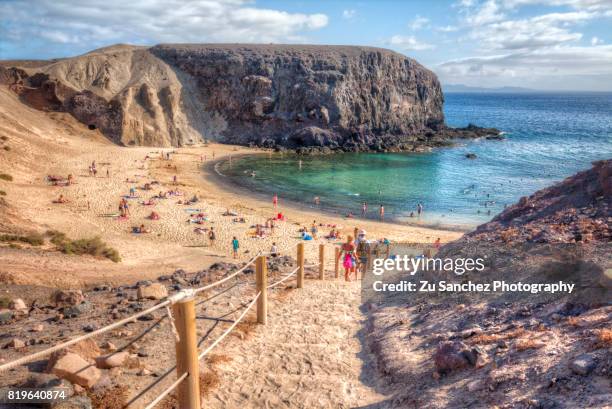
(6, 177)
(93, 246)
(4, 302)
(33, 239)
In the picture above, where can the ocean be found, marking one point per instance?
(548, 137)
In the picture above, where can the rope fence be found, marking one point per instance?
(231, 327)
(167, 391)
(180, 310)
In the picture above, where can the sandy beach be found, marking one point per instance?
(55, 144)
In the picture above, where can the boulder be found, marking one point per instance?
(76, 369)
(18, 304)
(68, 297)
(583, 364)
(112, 360)
(451, 355)
(15, 343)
(155, 291)
(74, 311)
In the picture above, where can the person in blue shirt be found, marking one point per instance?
(235, 246)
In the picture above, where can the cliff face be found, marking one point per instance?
(338, 97)
(308, 95)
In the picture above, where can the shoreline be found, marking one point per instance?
(236, 188)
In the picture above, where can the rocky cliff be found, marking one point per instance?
(331, 97)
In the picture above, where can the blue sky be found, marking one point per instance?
(544, 44)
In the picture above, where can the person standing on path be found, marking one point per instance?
(235, 247)
(211, 237)
(347, 253)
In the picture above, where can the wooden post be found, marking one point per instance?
(261, 271)
(300, 260)
(321, 261)
(337, 262)
(187, 353)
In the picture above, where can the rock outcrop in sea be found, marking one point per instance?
(303, 97)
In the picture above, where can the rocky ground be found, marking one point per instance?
(512, 351)
(121, 365)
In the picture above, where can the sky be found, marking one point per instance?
(541, 44)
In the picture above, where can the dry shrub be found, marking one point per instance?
(574, 321)
(110, 398)
(507, 234)
(7, 278)
(208, 381)
(243, 329)
(491, 338)
(530, 343)
(215, 359)
(603, 338)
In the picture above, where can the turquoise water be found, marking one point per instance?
(548, 137)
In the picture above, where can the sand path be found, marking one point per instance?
(307, 356)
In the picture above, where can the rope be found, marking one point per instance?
(231, 327)
(283, 279)
(48, 351)
(216, 283)
(172, 324)
(167, 391)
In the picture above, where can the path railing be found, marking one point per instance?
(181, 311)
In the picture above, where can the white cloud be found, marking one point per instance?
(536, 32)
(153, 21)
(596, 41)
(418, 23)
(591, 5)
(348, 14)
(488, 12)
(447, 29)
(408, 43)
(560, 66)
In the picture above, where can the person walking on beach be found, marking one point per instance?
(347, 254)
(419, 208)
(381, 212)
(364, 209)
(235, 246)
(314, 230)
(437, 244)
(211, 237)
(275, 200)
